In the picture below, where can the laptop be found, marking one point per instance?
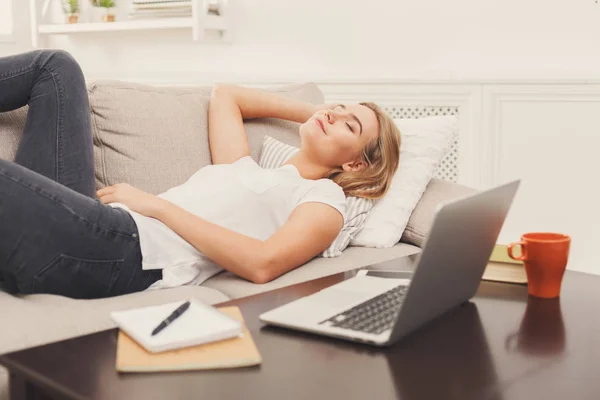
(380, 311)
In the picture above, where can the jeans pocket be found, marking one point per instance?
(77, 278)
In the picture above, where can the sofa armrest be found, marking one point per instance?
(438, 191)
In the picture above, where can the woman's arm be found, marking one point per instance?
(257, 103)
(311, 228)
(230, 105)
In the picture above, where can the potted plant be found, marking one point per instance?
(108, 4)
(71, 9)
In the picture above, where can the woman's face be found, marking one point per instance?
(337, 137)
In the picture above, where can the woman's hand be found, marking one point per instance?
(137, 200)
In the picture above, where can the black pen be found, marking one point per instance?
(174, 315)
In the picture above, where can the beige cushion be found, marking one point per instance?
(39, 319)
(351, 258)
(11, 130)
(437, 192)
(3, 384)
(155, 138)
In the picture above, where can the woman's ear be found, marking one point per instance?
(354, 166)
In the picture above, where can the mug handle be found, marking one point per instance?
(523, 251)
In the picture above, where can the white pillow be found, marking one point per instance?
(424, 142)
(275, 153)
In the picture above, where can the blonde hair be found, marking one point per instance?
(381, 155)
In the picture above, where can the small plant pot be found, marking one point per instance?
(108, 18)
(72, 18)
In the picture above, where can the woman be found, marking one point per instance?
(58, 235)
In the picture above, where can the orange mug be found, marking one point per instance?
(545, 257)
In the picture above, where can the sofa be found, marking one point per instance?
(155, 138)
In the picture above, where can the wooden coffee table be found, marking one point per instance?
(501, 345)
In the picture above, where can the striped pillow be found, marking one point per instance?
(275, 153)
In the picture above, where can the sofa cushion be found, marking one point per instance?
(351, 258)
(11, 130)
(4, 384)
(155, 138)
(437, 192)
(425, 141)
(41, 318)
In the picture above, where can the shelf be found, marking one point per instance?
(211, 22)
(207, 16)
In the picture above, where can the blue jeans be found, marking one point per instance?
(55, 235)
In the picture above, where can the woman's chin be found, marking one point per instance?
(303, 132)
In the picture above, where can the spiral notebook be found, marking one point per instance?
(236, 352)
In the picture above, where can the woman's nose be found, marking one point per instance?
(330, 116)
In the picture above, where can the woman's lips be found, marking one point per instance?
(321, 125)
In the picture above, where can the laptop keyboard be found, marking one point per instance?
(373, 316)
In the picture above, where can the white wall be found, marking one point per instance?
(377, 39)
(5, 17)
(547, 136)
(16, 37)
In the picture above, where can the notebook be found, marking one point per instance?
(500, 254)
(502, 268)
(505, 272)
(201, 323)
(231, 353)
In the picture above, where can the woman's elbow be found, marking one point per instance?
(261, 278)
(264, 273)
(220, 89)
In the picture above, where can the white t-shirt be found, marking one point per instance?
(242, 197)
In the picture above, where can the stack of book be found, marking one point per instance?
(502, 268)
(166, 8)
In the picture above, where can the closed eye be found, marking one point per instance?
(353, 116)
